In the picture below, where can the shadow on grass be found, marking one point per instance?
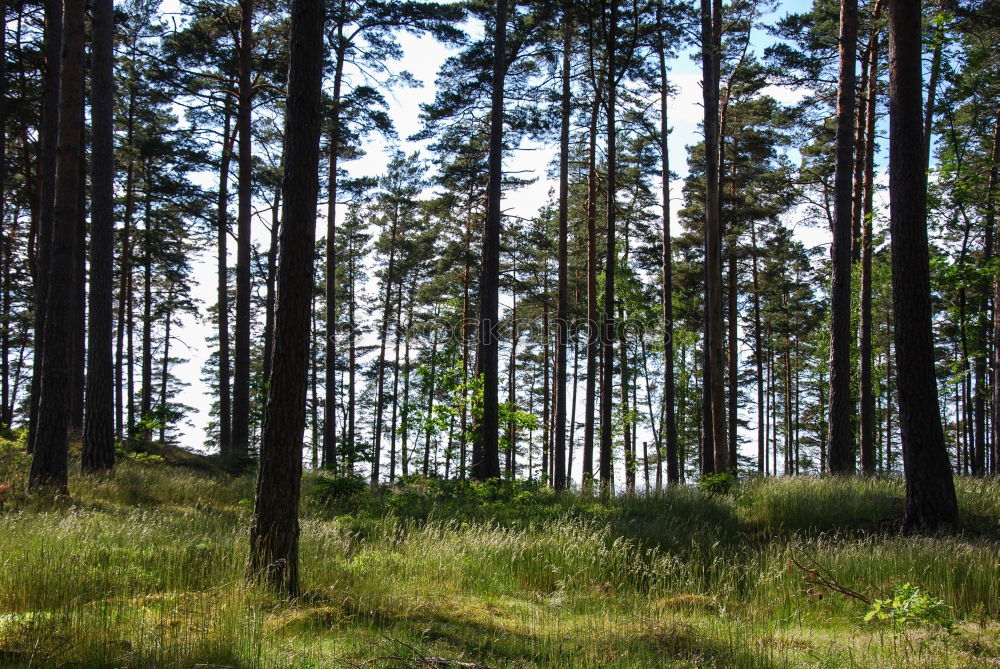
(397, 634)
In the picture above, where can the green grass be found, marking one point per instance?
(144, 569)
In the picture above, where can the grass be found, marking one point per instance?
(144, 568)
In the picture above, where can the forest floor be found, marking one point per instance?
(144, 568)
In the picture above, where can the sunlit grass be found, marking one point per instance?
(143, 568)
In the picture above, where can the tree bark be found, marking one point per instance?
(608, 332)
(715, 456)
(49, 464)
(669, 397)
(330, 369)
(274, 534)
(222, 315)
(864, 209)
(99, 435)
(930, 490)
(841, 443)
(485, 452)
(49, 131)
(241, 366)
(562, 306)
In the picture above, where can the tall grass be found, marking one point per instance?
(144, 569)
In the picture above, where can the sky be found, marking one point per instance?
(423, 57)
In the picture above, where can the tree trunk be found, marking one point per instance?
(146, 396)
(78, 323)
(669, 399)
(758, 349)
(562, 308)
(49, 464)
(241, 366)
(330, 369)
(430, 405)
(715, 456)
(593, 336)
(991, 215)
(274, 534)
(930, 490)
(608, 371)
(511, 459)
(395, 384)
(383, 333)
(99, 435)
(866, 195)
(49, 131)
(269, 299)
(840, 439)
(222, 314)
(485, 451)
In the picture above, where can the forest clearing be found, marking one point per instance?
(145, 569)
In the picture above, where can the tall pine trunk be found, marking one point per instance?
(608, 315)
(562, 304)
(841, 442)
(49, 464)
(485, 451)
(930, 490)
(49, 131)
(669, 398)
(715, 451)
(274, 534)
(99, 428)
(241, 362)
(222, 288)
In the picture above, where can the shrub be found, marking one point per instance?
(908, 604)
(717, 484)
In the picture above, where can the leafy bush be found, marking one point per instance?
(717, 484)
(342, 493)
(908, 604)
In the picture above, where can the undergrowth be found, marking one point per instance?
(143, 568)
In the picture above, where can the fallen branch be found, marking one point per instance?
(823, 577)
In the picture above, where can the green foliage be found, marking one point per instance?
(339, 493)
(908, 604)
(717, 484)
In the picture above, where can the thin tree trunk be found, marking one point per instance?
(930, 490)
(146, 396)
(165, 366)
(222, 232)
(715, 456)
(395, 384)
(330, 369)
(99, 420)
(758, 353)
(430, 404)
(241, 366)
(562, 308)
(840, 439)
(274, 534)
(78, 325)
(383, 333)
(608, 371)
(864, 208)
(669, 399)
(511, 459)
(593, 336)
